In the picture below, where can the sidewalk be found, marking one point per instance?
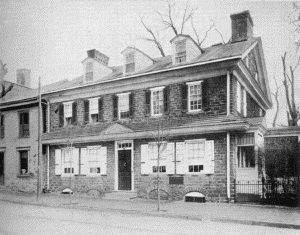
(281, 217)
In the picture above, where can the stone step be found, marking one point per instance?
(121, 195)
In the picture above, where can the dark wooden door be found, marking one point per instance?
(1, 168)
(124, 164)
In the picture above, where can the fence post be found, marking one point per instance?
(234, 190)
(263, 187)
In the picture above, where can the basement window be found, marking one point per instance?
(194, 197)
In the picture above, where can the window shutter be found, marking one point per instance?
(166, 99)
(184, 97)
(148, 102)
(205, 95)
(75, 160)
(115, 107)
(100, 109)
(170, 159)
(74, 113)
(180, 152)
(145, 163)
(58, 162)
(131, 105)
(209, 156)
(103, 160)
(61, 115)
(83, 161)
(86, 111)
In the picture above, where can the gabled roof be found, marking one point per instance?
(21, 93)
(134, 48)
(211, 54)
(185, 36)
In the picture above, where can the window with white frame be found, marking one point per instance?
(94, 109)
(238, 97)
(67, 161)
(157, 101)
(196, 155)
(89, 72)
(123, 106)
(130, 63)
(68, 111)
(246, 156)
(96, 160)
(180, 48)
(192, 157)
(194, 96)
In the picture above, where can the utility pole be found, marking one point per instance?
(39, 142)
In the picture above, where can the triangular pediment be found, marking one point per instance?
(116, 128)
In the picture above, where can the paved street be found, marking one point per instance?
(31, 219)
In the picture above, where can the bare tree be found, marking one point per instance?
(159, 136)
(154, 37)
(289, 87)
(168, 21)
(3, 72)
(276, 97)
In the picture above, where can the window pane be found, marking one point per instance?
(24, 162)
(246, 156)
(195, 96)
(157, 102)
(124, 106)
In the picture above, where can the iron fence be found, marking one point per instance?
(275, 192)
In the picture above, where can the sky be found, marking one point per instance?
(51, 37)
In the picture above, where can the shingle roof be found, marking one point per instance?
(212, 53)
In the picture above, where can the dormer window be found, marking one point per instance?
(89, 72)
(130, 63)
(180, 48)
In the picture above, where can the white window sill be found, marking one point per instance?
(247, 168)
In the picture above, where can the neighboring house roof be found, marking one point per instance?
(19, 93)
(283, 131)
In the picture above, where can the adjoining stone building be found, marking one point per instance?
(209, 107)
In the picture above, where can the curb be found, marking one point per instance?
(162, 214)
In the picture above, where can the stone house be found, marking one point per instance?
(203, 113)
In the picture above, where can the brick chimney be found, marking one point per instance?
(23, 77)
(241, 26)
(98, 56)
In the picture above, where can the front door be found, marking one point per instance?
(124, 164)
(1, 168)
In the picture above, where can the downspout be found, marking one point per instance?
(48, 167)
(228, 165)
(228, 93)
(48, 116)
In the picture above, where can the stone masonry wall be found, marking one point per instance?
(216, 99)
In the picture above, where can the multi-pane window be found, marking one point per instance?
(196, 155)
(246, 157)
(180, 48)
(24, 124)
(123, 104)
(89, 72)
(157, 101)
(195, 96)
(94, 109)
(130, 63)
(2, 129)
(96, 157)
(163, 155)
(68, 161)
(23, 161)
(68, 112)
